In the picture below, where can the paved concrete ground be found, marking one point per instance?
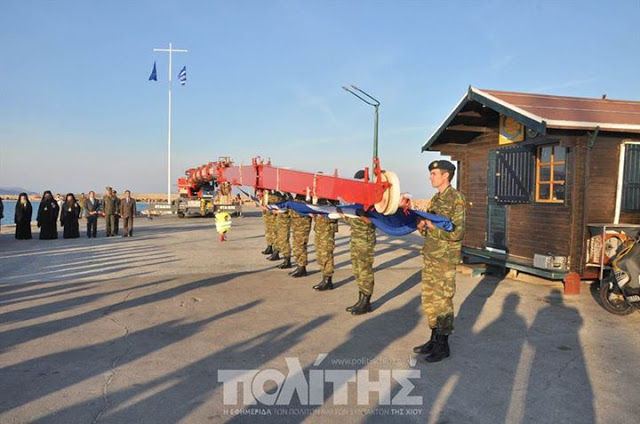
(142, 330)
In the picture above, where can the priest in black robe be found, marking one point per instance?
(69, 217)
(23, 215)
(48, 217)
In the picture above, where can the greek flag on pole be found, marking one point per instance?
(182, 76)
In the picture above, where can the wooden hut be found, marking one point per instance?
(552, 183)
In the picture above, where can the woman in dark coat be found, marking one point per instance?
(69, 217)
(48, 217)
(23, 217)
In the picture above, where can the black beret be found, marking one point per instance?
(443, 165)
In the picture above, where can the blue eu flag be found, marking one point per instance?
(153, 76)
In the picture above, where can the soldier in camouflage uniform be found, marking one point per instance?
(109, 209)
(81, 202)
(283, 231)
(362, 246)
(269, 219)
(441, 254)
(301, 227)
(271, 230)
(325, 242)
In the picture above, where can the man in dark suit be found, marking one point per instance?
(91, 210)
(127, 212)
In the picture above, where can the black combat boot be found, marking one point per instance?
(268, 250)
(440, 349)
(275, 256)
(301, 271)
(355, 305)
(428, 346)
(325, 284)
(364, 307)
(286, 264)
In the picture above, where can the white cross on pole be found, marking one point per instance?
(170, 50)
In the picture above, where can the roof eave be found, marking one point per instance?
(528, 119)
(585, 125)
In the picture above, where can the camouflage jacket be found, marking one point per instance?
(360, 230)
(324, 223)
(450, 204)
(274, 199)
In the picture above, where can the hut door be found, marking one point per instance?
(496, 212)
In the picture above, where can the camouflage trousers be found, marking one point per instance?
(300, 227)
(325, 241)
(283, 228)
(269, 227)
(439, 285)
(362, 255)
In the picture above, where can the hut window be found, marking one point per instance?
(631, 183)
(551, 174)
(513, 168)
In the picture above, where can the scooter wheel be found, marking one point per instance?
(611, 298)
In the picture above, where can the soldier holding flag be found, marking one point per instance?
(441, 255)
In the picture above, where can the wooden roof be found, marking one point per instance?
(480, 109)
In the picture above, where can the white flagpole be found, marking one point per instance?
(170, 50)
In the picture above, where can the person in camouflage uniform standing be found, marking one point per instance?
(325, 241)
(271, 225)
(109, 209)
(301, 227)
(441, 254)
(269, 220)
(362, 246)
(283, 231)
(81, 202)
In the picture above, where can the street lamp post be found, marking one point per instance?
(376, 105)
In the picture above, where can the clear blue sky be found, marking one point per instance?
(264, 77)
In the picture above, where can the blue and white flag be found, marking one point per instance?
(399, 224)
(182, 76)
(154, 75)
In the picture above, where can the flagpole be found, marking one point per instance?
(170, 50)
(169, 135)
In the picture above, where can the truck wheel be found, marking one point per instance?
(611, 298)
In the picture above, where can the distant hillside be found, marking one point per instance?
(15, 191)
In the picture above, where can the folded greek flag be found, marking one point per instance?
(399, 224)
